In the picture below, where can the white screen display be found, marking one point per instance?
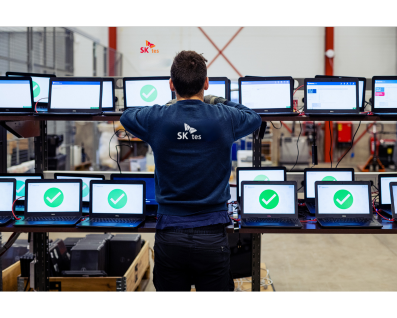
(41, 88)
(6, 196)
(313, 176)
(20, 184)
(395, 197)
(385, 94)
(216, 88)
(117, 198)
(75, 95)
(259, 175)
(15, 94)
(331, 95)
(107, 94)
(343, 199)
(269, 199)
(385, 189)
(266, 94)
(86, 185)
(53, 197)
(147, 92)
(360, 93)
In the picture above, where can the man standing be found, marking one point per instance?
(191, 138)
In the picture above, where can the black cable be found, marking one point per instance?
(330, 146)
(297, 146)
(275, 126)
(27, 283)
(117, 151)
(299, 189)
(350, 146)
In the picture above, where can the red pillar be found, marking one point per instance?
(329, 70)
(112, 49)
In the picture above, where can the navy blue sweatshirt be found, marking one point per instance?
(191, 142)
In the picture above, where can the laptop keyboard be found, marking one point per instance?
(344, 220)
(268, 220)
(45, 218)
(108, 220)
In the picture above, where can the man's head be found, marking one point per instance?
(189, 75)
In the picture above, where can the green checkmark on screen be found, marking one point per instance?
(261, 177)
(86, 189)
(269, 199)
(20, 188)
(343, 199)
(148, 93)
(117, 199)
(36, 89)
(329, 178)
(53, 197)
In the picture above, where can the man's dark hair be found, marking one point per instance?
(188, 73)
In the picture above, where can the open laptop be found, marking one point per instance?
(40, 86)
(331, 96)
(259, 174)
(146, 91)
(269, 204)
(151, 203)
(52, 203)
(218, 86)
(75, 96)
(384, 180)
(16, 95)
(85, 178)
(109, 97)
(21, 178)
(384, 97)
(116, 204)
(344, 204)
(393, 192)
(267, 95)
(7, 198)
(311, 175)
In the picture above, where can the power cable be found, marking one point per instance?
(350, 146)
(275, 126)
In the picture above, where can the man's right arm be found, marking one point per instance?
(136, 121)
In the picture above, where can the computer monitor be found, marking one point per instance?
(21, 181)
(75, 95)
(384, 94)
(384, 180)
(7, 195)
(146, 91)
(218, 86)
(266, 94)
(16, 94)
(108, 97)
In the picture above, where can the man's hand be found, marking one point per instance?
(173, 101)
(212, 99)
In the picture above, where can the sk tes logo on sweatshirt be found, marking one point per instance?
(188, 129)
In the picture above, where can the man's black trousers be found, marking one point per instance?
(198, 256)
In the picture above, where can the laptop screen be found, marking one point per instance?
(313, 176)
(53, 197)
(331, 95)
(259, 175)
(15, 94)
(41, 87)
(107, 95)
(6, 196)
(75, 94)
(117, 198)
(385, 94)
(216, 88)
(385, 197)
(266, 94)
(395, 197)
(361, 93)
(150, 188)
(85, 185)
(269, 199)
(147, 92)
(343, 199)
(20, 184)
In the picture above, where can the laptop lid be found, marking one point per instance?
(21, 182)
(311, 175)
(7, 196)
(331, 95)
(146, 91)
(340, 199)
(40, 86)
(384, 94)
(218, 86)
(266, 94)
(393, 192)
(16, 94)
(233, 193)
(384, 189)
(53, 198)
(75, 95)
(259, 174)
(267, 199)
(108, 96)
(149, 184)
(85, 178)
(118, 199)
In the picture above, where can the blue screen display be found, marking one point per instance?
(150, 191)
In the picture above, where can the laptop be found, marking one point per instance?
(384, 180)
(151, 203)
(362, 82)
(269, 204)
(85, 178)
(75, 96)
(52, 203)
(259, 174)
(219, 86)
(16, 95)
(116, 204)
(109, 97)
(393, 192)
(311, 175)
(341, 204)
(146, 91)
(7, 198)
(331, 96)
(40, 87)
(21, 178)
(267, 95)
(384, 100)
